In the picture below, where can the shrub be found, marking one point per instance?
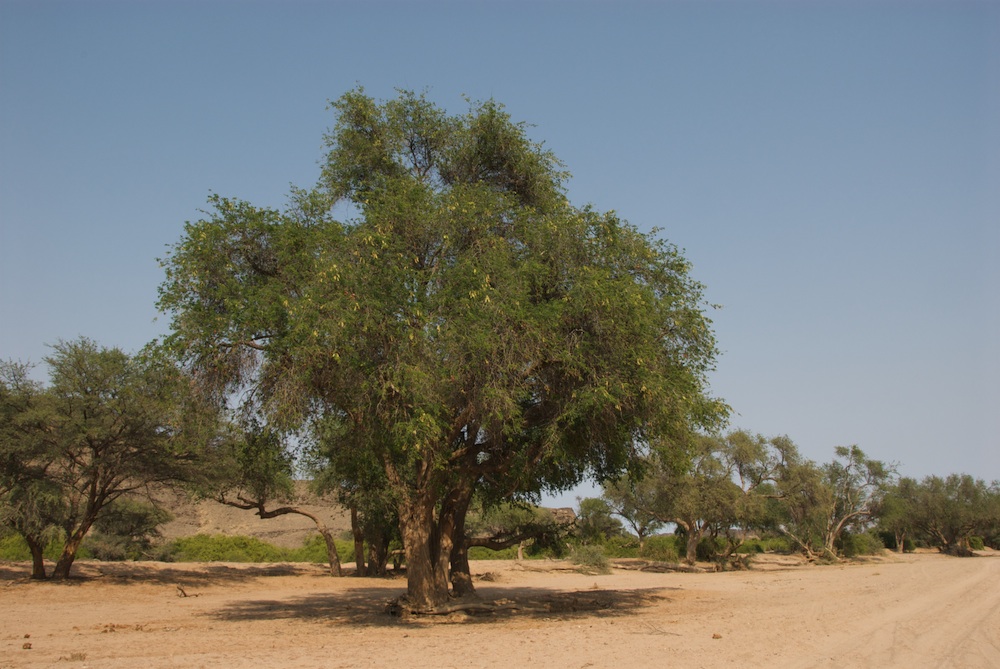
(765, 545)
(313, 550)
(483, 553)
(864, 543)
(621, 546)
(709, 548)
(662, 548)
(976, 543)
(590, 560)
(221, 548)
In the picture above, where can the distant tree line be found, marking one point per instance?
(739, 485)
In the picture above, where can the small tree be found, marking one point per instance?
(631, 499)
(817, 504)
(595, 522)
(947, 512)
(257, 476)
(112, 426)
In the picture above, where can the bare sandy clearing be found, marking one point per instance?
(923, 610)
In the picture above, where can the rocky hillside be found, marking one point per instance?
(288, 531)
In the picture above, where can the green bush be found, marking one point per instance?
(765, 545)
(14, 548)
(865, 543)
(314, 550)
(662, 548)
(709, 548)
(976, 543)
(483, 553)
(621, 546)
(221, 548)
(590, 560)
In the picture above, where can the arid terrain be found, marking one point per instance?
(919, 610)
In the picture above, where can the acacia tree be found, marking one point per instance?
(947, 512)
(30, 502)
(113, 426)
(255, 474)
(818, 503)
(467, 325)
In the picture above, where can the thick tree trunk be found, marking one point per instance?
(37, 559)
(426, 570)
(359, 544)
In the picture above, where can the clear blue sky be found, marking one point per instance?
(832, 170)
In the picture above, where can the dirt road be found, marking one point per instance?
(923, 610)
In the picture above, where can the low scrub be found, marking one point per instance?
(590, 560)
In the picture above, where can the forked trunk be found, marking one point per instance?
(65, 563)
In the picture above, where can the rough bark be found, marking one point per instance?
(360, 569)
(427, 556)
(37, 559)
(68, 556)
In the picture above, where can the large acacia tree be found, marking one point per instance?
(466, 325)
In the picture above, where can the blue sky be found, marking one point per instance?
(831, 169)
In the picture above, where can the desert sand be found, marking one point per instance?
(917, 610)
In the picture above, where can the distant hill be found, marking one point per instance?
(288, 531)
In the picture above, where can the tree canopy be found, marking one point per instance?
(466, 325)
(107, 426)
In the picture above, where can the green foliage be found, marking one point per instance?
(976, 543)
(222, 548)
(107, 425)
(862, 543)
(126, 530)
(225, 548)
(662, 548)
(13, 547)
(948, 512)
(590, 560)
(620, 546)
(468, 329)
(765, 545)
(595, 523)
(484, 553)
(314, 550)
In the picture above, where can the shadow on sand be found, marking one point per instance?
(367, 607)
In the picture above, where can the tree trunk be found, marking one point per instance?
(37, 559)
(331, 550)
(426, 571)
(378, 555)
(65, 563)
(359, 544)
(900, 542)
(457, 506)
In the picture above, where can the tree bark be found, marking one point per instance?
(359, 544)
(426, 571)
(37, 559)
(457, 505)
(68, 556)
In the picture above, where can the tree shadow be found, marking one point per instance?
(369, 607)
(184, 574)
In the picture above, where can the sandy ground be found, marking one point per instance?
(922, 610)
